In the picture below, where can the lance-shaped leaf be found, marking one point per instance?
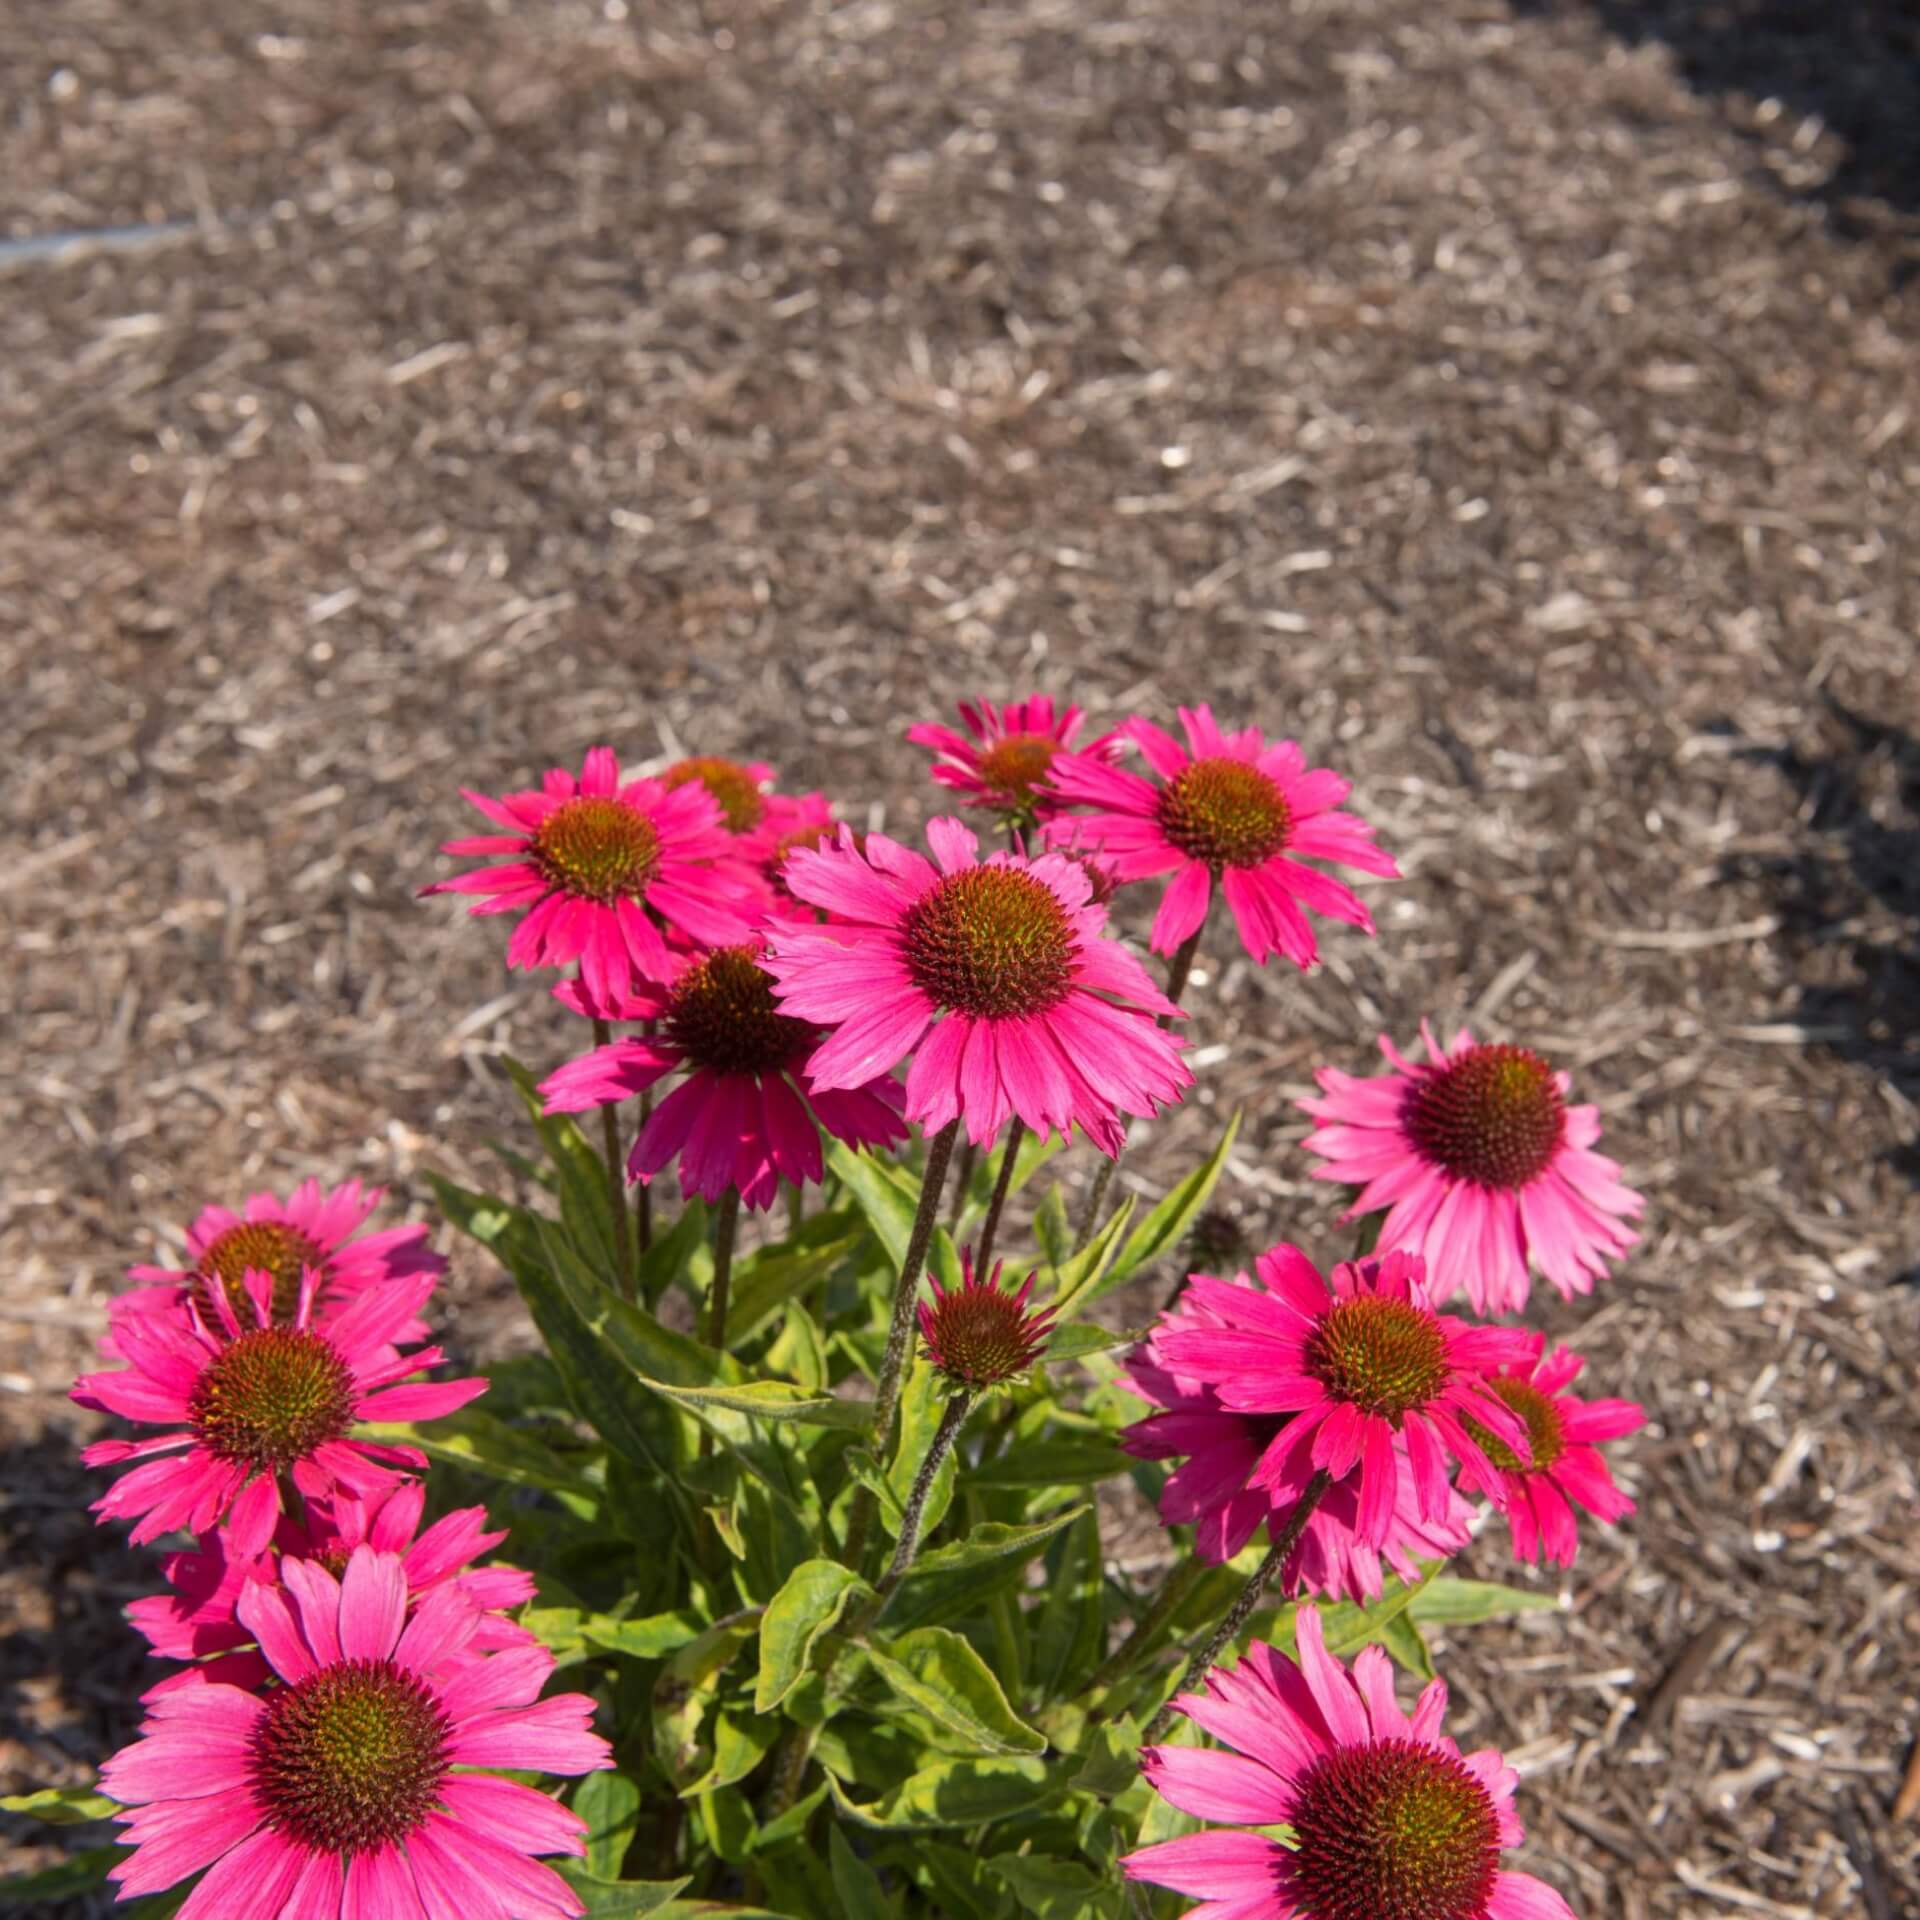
(773, 1400)
(483, 1444)
(60, 1806)
(992, 1540)
(1164, 1228)
(817, 1593)
(956, 1793)
(1446, 1601)
(1078, 1283)
(938, 1673)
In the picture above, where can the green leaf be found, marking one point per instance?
(484, 1217)
(610, 1805)
(651, 1638)
(687, 1686)
(1052, 1463)
(740, 1743)
(773, 1400)
(954, 1793)
(1072, 1625)
(867, 1471)
(938, 1673)
(766, 1280)
(485, 1445)
(76, 1874)
(992, 1540)
(922, 1407)
(585, 1201)
(1052, 1228)
(606, 1899)
(1076, 1343)
(1445, 1601)
(1077, 1284)
(855, 1884)
(1164, 1228)
(808, 1606)
(956, 1881)
(1402, 1639)
(1057, 1889)
(884, 1205)
(61, 1806)
(666, 1260)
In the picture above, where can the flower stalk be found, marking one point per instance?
(886, 1399)
(1241, 1611)
(951, 1421)
(990, 1227)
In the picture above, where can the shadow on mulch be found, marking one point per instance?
(1854, 65)
(1850, 900)
(70, 1671)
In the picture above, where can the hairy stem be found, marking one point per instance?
(642, 1193)
(1238, 1614)
(990, 1227)
(616, 1177)
(962, 1184)
(886, 1397)
(910, 1522)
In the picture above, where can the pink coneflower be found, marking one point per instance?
(311, 1228)
(1213, 1491)
(745, 1116)
(978, 1335)
(793, 820)
(593, 861)
(1563, 1462)
(342, 1791)
(1236, 811)
(739, 787)
(1003, 759)
(1390, 1820)
(200, 1616)
(1355, 1367)
(1484, 1166)
(994, 975)
(251, 1403)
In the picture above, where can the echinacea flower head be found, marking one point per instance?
(1235, 811)
(1213, 1489)
(601, 869)
(199, 1617)
(1484, 1167)
(995, 976)
(1564, 1466)
(1356, 1366)
(313, 1228)
(1003, 759)
(252, 1403)
(347, 1788)
(745, 1115)
(1390, 1820)
(980, 1335)
(739, 788)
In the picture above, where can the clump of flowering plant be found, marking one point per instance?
(801, 1483)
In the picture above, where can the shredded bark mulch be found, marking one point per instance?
(1519, 408)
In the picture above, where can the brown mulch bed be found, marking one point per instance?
(1534, 435)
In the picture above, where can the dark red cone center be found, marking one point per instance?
(351, 1758)
(272, 1397)
(1495, 1116)
(270, 1246)
(1224, 812)
(742, 805)
(722, 1014)
(1546, 1431)
(990, 942)
(596, 847)
(1383, 1356)
(1394, 1831)
(1015, 767)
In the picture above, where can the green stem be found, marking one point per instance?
(725, 1222)
(1238, 1614)
(990, 1228)
(962, 1186)
(1179, 968)
(616, 1177)
(886, 1398)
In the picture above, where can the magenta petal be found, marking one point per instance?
(373, 1604)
